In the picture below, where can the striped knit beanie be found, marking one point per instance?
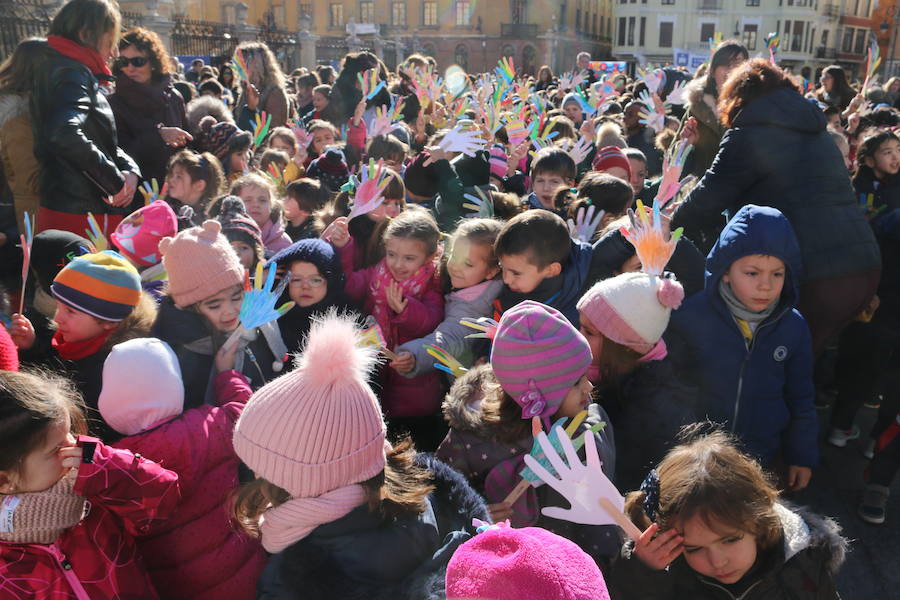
(498, 161)
(104, 285)
(538, 356)
(609, 157)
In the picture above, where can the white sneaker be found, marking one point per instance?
(840, 437)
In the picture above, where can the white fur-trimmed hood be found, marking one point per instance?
(12, 106)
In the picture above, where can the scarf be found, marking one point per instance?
(414, 287)
(41, 517)
(78, 350)
(746, 319)
(83, 54)
(286, 524)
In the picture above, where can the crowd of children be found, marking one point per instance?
(161, 441)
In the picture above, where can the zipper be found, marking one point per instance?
(730, 595)
(749, 348)
(64, 564)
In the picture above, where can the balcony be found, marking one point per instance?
(826, 53)
(831, 10)
(709, 4)
(519, 30)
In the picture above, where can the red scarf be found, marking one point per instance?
(83, 54)
(78, 350)
(415, 287)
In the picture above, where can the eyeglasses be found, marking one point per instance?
(313, 282)
(135, 61)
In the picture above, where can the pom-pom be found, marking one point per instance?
(670, 293)
(232, 206)
(334, 353)
(206, 124)
(209, 231)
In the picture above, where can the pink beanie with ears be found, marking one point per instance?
(632, 309)
(138, 236)
(503, 563)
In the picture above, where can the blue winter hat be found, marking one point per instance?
(570, 98)
(315, 251)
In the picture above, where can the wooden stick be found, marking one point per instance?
(620, 518)
(516, 492)
(390, 354)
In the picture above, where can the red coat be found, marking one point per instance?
(198, 553)
(98, 558)
(402, 397)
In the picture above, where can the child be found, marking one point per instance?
(746, 346)
(330, 169)
(472, 269)
(241, 231)
(541, 262)
(403, 293)
(263, 207)
(345, 513)
(303, 198)
(612, 160)
(196, 554)
(551, 170)
(878, 157)
(316, 285)
(716, 528)
(282, 138)
(321, 98)
(502, 563)
(276, 159)
(540, 363)
(71, 505)
(98, 305)
(193, 180)
(322, 134)
(228, 144)
(137, 239)
(202, 309)
(389, 149)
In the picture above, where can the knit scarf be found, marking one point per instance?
(78, 350)
(414, 287)
(286, 524)
(87, 56)
(41, 517)
(746, 319)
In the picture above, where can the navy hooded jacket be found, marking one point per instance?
(763, 391)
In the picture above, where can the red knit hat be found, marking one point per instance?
(611, 156)
(9, 354)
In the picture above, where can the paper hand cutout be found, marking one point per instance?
(655, 80)
(873, 62)
(302, 135)
(570, 80)
(258, 306)
(26, 239)
(481, 204)
(677, 95)
(583, 486)
(373, 337)
(486, 327)
(369, 84)
(446, 361)
(263, 121)
(381, 124)
(370, 191)
(651, 117)
(151, 192)
(517, 131)
(506, 70)
(467, 142)
(654, 244)
(580, 150)
(239, 65)
(585, 223)
(672, 167)
(95, 234)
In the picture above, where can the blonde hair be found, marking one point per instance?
(257, 180)
(264, 71)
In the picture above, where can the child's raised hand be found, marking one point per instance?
(406, 362)
(690, 132)
(337, 233)
(22, 332)
(71, 456)
(225, 357)
(359, 111)
(395, 297)
(798, 477)
(658, 551)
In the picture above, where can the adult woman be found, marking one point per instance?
(82, 169)
(16, 139)
(265, 90)
(834, 89)
(231, 83)
(700, 124)
(544, 79)
(777, 152)
(150, 118)
(345, 94)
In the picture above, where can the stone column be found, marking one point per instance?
(158, 23)
(306, 49)
(399, 49)
(244, 32)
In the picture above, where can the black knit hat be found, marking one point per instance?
(53, 249)
(330, 169)
(421, 180)
(473, 171)
(225, 137)
(237, 226)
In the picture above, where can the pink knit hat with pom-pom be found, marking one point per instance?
(632, 309)
(200, 263)
(319, 427)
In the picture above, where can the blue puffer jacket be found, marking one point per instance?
(763, 392)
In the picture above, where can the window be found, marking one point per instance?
(336, 15)
(847, 44)
(429, 50)
(631, 21)
(707, 31)
(825, 39)
(306, 12)
(577, 19)
(429, 14)
(664, 2)
(621, 31)
(642, 31)
(398, 14)
(861, 35)
(463, 13)
(367, 11)
(797, 38)
(665, 34)
(752, 2)
(461, 56)
(750, 31)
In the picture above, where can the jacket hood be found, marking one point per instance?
(804, 529)
(756, 230)
(462, 405)
(202, 107)
(702, 105)
(12, 106)
(783, 108)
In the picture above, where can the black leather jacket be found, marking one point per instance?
(75, 139)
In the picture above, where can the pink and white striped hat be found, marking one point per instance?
(538, 356)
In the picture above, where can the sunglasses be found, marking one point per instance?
(136, 61)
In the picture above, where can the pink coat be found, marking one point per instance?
(97, 559)
(402, 397)
(274, 237)
(198, 554)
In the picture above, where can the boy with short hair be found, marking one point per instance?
(302, 199)
(551, 170)
(541, 262)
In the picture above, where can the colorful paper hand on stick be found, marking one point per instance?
(653, 242)
(239, 65)
(468, 142)
(873, 62)
(381, 124)
(446, 361)
(772, 43)
(580, 150)
(479, 203)
(151, 192)
(263, 121)
(485, 326)
(26, 238)
(672, 167)
(585, 223)
(369, 84)
(95, 234)
(370, 191)
(258, 305)
(373, 337)
(654, 79)
(677, 95)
